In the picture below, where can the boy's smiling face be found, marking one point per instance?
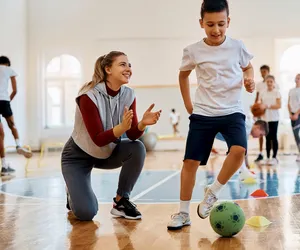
(215, 25)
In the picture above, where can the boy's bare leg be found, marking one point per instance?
(231, 164)
(187, 183)
(15, 133)
(188, 179)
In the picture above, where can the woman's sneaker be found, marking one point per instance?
(179, 221)
(125, 208)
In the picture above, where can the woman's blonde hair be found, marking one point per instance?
(100, 74)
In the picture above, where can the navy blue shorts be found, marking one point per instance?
(203, 130)
(5, 109)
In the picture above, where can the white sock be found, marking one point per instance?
(244, 167)
(185, 206)
(3, 162)
(216, 187)
(260, 153)
(17, 142)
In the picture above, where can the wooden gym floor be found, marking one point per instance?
(33, 214)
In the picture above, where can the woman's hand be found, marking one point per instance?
(149, 117)
(127, 119)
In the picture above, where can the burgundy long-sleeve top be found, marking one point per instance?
(93, 122)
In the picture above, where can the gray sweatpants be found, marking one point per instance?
(77, 166)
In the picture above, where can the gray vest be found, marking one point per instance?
(111, 110)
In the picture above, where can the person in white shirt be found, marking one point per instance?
(294, 110)
(8, 75)
(271, 100)
(222, 67)
(260, 88)
(174, 119)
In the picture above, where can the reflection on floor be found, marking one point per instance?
(33, 214)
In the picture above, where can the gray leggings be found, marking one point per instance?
(296, 130)
(77, 166)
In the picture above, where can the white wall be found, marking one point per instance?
(13, 43)
(152, 33)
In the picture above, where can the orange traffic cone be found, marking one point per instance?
(259, 193)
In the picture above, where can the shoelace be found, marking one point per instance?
(178, 216)
(129, 204)
(210, 201)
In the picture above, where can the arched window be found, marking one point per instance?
(289, 68)
(63, 79)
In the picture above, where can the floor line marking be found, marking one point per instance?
(155, 186)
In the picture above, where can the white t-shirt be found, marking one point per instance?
(219, 75)
(270, 98)
(174, 117)
(262, 87)
(294, 102)
(249, 124)
(5, 74)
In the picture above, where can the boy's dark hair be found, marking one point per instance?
(173, 110)
(263, 126)
(211, 6)
(266, 67)
(4, 60)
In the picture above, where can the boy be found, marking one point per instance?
(222, 66)
(6, 75)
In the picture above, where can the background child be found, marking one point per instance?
(294, 110)
(7, 75)
(260, 88)
(219, 62)
(272, 103)
(174, 119)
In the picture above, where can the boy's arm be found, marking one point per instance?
(14, 87)
(257, 97)
(185, 90)
(247, 161)
(277, 105)
(289, 106)
(249, 76)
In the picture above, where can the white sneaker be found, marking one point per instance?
(274, 161)
(24, 152)
(244, 174)
(206, 205)
(178, 221)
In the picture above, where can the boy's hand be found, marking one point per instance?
(294, 117)
(249, 85)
